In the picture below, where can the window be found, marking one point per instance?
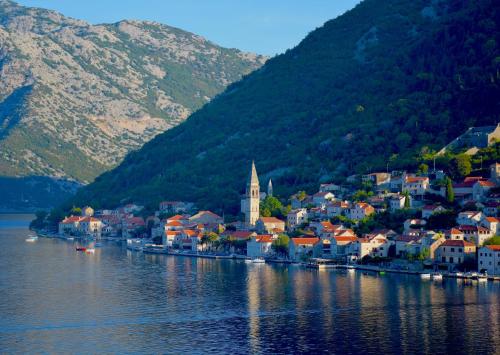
(452, 250)
(481, 262)
(459, 250)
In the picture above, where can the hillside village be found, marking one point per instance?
(407, 220)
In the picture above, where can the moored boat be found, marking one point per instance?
(32, 239)
(437, 276)
(425, 275)
(81, 249)
(258, 260)
(90, 251)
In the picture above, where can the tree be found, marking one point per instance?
(493, 241)
(442, 220)
(39, 221)
(450, 194)
(424, 254)
(271, 206)
(460, 166)
(280, 245)
(407, 204)
(76, 211)
(423, 168)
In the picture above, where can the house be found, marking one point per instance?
(304, 247)
(269, 224)
(206, 217)
(493, 224)
(407, 245)
(373, 246)
(455, 252)
(296, 217)
(91, 227)
(397, 202)
(340, 247)
(300, 201)
(377, 179)
(414, 223)
(476, 234)
(131, 225)
(238, 235)
(455, 234)
(464, 191)
(488, 259)
(337, 208)
(320, 199)
(360, 210)
(175, 206)
(169, 237)
(69, 225)
(480, 190)
(260, 246)
(416, 185)
(469, 218)
(429, 210)
(491, 208)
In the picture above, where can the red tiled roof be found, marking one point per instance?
(174, 224)
(486, 183)
(72, 219)
(305, 240)
(271, 220)
(265, 238)
(492, 219)
(457, 243)
(493, 247)
(341, 238)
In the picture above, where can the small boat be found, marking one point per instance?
(425, 275)
(70, 238)
(437, 276)
(258, 261)
(90, 251)
(482, 278)
(351, 270)
(81, 249)
(248, 261)
(32, 239)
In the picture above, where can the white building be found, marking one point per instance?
(260, 246)
(489, 259)
(296, 217)
(360, 210)
(469, 218)
(304, 247)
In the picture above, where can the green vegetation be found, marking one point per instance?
(450, 194)
(280, 245)
(374, 86)
(493, 241)
(271, 206)
(385, 220)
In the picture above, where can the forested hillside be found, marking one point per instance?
(381, 84)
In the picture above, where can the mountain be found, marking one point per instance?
(75, 98)
(378, 85)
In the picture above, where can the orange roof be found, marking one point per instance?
(457, 243)
(90, 219)
(493, 247)
(455, 231)
(412, 179)
(72, 219)
(271, 220)
(345, 238)
(305, 240)
(172, 233)
(176, 217)
(492, 219)
(174, 224)
(265, 238)
(486, 183)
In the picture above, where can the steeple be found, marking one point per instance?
(270, 188)
(250, 204)
(253, 179)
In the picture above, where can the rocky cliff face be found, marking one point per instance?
(75, 98)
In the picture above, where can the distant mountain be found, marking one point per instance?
(75, 98)
(369, 88)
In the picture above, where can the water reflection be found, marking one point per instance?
(57, 300)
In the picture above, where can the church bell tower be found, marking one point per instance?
(250, 204)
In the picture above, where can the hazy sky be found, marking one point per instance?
(262, 26)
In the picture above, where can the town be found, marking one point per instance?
(326, 227)
(414, 222)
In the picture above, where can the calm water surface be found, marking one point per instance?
(53, 299)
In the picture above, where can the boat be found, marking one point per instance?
(81, 249)
(481, 278)
(258, 260)
(437, 276)
(248, 261)
(70, 238)
(425, 275)
(90, 251)
(32, 239)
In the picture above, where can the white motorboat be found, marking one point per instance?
(425, 276)
(90, 250)
(258, 261)
(32, 239)
(437, 276)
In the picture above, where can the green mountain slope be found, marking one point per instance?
(75, 98)
(370, 87)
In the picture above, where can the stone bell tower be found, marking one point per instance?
(250, 204)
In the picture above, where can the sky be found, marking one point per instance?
(261, 26)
